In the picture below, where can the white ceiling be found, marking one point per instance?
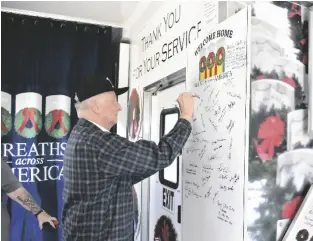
(113, 13)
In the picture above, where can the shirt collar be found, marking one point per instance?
(100, 127)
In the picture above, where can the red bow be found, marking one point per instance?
(57, 116)
(3, 127)
(290, 81)
(292, 14)
(305, 59)
(165, 232)
(271, 131)
(290, 207)
(303, 41)
(29, 114)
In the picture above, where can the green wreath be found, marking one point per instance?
(263, 226)
(256, 118)
(6, 122)
(23, 117)
(54, 117)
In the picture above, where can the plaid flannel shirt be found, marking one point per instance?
(100, 169)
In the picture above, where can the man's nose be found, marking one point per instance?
(119, 107)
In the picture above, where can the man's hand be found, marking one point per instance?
(44, 217)
(185, 101)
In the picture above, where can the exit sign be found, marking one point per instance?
(168, 199)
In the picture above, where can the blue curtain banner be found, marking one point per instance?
(42, 63)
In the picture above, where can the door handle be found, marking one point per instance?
(179, 214)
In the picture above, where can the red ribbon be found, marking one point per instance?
(165, 232)
(219, 54)
(210, 62)
(290, 81)
(266, 150)
(303, 41)
(3, 127)
(57, 117)
(29, 114)
(290, 207)
(271, 131)
(203, 66)
(305, 59)
(292, 14)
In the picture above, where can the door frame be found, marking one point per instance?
(148, 91)
(163, 181)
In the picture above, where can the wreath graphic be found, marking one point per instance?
(134, 117)
(164, 230)
(6, 122)
(57, 117)
(22, 120)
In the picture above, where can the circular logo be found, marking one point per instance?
(134, 117)
(28, 122)
(57, 124)
(164, 230)
(6, 122)
(302, 235)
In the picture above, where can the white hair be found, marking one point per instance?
(80, 107)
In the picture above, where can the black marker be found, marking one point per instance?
(196, 96)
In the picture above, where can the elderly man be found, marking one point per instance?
(100, 167)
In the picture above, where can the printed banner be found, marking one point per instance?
(214, 155)
(34, 131)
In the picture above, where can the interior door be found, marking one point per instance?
(165, 186)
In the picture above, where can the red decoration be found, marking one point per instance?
(3, 127)
(271, 131)
(29, 114)
(165, 232)
(294, 6)
(290, 207)
(57, 116)
(292, 14)
(305, 60)
(290, 82)
(303, 41)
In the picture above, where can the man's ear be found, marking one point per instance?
(94, 106)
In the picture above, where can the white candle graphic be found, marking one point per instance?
(272, 93)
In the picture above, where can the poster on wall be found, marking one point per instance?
(134, 116)
(134, 122)
(214, 155)
(280, 149)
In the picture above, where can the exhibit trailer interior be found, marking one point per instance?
(248, 163)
